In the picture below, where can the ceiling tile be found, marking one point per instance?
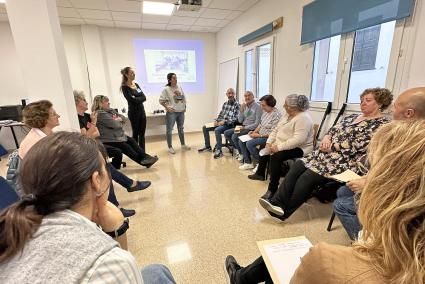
(201, 29)
(226, 4)
(233, 15)
(90, 4)
(63, 3)
(71, 21)
(182, 20)
(103, 23)
(131, 25)
(189, 14)
(247, 4)
(124, 5)
(178, 28)
(205, 3)
(223, 23)
(3, 18)
(215, 13)
(126, 16)
(151, 26)
(95, 14)
(155, 19)
(68, 12)
(206, 22)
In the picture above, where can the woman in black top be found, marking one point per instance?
(136, 111)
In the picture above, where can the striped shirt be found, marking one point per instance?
(229, 112)
(268, 121)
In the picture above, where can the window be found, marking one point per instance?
(325, 66)
(249, 76)
(263, 69)
(370, 60)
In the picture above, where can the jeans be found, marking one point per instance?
(249, 149)
(234, 137)
(157, 274)
(256, 272)
(138, 125)
(115, 154)
(112, 197)
(218, 131)
(119, 177)
(346, 210)
(171, 119)
(130, 148)
(297, 188)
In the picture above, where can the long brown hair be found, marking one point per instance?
(54, 177)
(392, 204)
(124, 78)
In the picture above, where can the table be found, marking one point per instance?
(156, 119)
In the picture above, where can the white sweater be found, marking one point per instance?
(292, 133)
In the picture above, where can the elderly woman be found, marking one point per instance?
(52, 234)
(339, 151)
(110, 125)
(291, 138)
(259, 135)
(392, 249)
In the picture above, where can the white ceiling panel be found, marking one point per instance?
(155, 19)
(206, 22)
(63, 3)
(71, 21)
(178, 28)
(95, 14)
(226, 4)
(104, 23)
(204, 29)
(126, 16)
(215, 13)
(124, 5)
(90, 4)
(233, 15)
(247, 4)
(68, 12)
(189, 13)
(223, 23)
(130, 25)
(151, 26)
(187, 21)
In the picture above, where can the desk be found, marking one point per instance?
(12, 125)
(156, 119)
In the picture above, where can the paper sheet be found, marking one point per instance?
(346, 176)
(283, 256)
(210, 125)
(245, 138)
(264, 152)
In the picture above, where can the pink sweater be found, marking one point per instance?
(32, 137)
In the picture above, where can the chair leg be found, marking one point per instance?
(331, 222)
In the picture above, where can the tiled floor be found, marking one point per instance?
(198, 210)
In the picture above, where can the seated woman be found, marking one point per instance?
(339, 151)
(110, 125)
(268, 121)
(391, 209)
(291, 138)
(53, 232)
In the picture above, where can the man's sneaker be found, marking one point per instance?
(240, 158)
(255, 169)
(218, 154)
(140, 185)
(149, 161)
(269, 206)
(267, 195)
(205, 149)
(246, 166)
(186, 148)
(127, 212)
(256, 177)
(171, 150)
(231, 266)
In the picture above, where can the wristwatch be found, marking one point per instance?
(121, 230)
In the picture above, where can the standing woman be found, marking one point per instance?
(174, 101)
(136, 111)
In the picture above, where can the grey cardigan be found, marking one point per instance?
(111, 130)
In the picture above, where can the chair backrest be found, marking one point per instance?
(8, 195)
(315, 129)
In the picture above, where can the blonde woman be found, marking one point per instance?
(391, 209)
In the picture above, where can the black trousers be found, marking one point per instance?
(115, 154)
(138, 124)
(130, 149)
(254, 273)
(297, 188)
(276, 161)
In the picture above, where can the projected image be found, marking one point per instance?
(161, 62)
(155, 58)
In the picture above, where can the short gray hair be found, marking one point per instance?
(299, 102)
(78, 96)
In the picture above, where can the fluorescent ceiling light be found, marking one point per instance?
(158, 8)
(2, 1)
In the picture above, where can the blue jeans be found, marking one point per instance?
(249, 149)
(217, 131)
(234, 137)
(157, 274)
(171, 119)
(119, 177)
(346, 210)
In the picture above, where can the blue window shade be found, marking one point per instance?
(327, 18)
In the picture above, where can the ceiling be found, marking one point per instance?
(213, 16)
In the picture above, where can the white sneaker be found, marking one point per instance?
(171, 150)
(185, 147)
(240, 158)
(246, 167)
(255, 169)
